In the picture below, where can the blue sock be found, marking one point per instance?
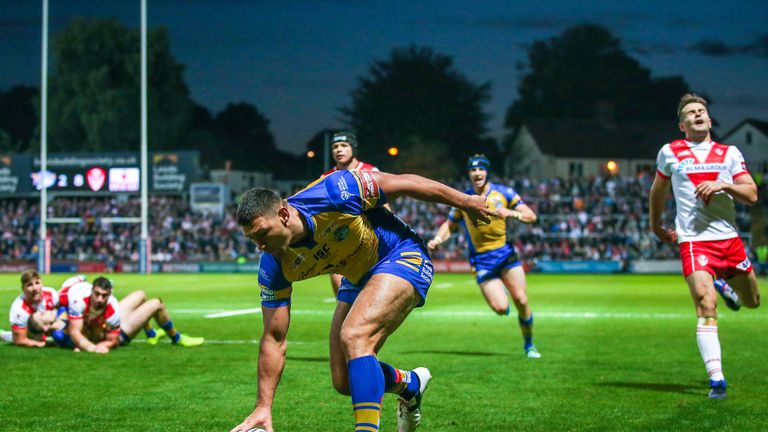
(168, 327)
(366, 384)
(124, 338)
(400, 382)
(526, 327)
(150, 332)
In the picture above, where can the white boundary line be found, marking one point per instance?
(459, 313)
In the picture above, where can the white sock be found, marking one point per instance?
(709, 347)
(6, 336)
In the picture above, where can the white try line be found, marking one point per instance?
(239, 342)
(472, 313)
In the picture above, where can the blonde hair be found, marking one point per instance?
(689, 98)
(28, 276)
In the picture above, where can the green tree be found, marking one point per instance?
(247, 140)
(18, 117)
(95, 89)
(584, 71)
(201, 137)
(417, 95)
(419, 156)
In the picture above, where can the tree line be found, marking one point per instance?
(416, 100)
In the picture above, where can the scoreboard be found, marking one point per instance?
(98, 174)
(89, 179)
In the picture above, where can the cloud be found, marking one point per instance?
(716, 48)
(644, 47)
(759, 47)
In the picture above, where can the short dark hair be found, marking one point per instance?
(103, 283)
(28, 276)
(255, 203)
(687, 99)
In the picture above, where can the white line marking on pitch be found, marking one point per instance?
(443, 285)
(239, 342)
(473, 313)
(234, 313)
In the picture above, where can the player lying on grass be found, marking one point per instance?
(338, 225)
(33, 314)
(98, 323)
(494, 260)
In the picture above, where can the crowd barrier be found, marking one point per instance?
(579, 266)
(441, 266)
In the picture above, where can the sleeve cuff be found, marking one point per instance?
(737, 175)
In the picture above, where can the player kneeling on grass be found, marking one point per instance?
(33, 314)
(98, 323)
(338, 224)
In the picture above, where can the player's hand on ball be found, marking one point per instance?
(260, 420)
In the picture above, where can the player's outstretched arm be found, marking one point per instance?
(20, 338)
(272, 349)
(442, 235)
(424, 189)
(657, 201)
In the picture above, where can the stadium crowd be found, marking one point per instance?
(601, 218)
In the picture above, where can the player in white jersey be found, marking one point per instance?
(33, 313)
(94, 316)
(96, 325)
(706, 177)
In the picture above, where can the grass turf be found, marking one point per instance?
(619, 353)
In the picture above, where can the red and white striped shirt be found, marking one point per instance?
(359, 166)
(80, 309)
(21, 311)
(688, 164)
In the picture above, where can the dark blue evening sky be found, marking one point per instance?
(297, 61)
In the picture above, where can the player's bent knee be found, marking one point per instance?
(341, 385)
(355, 341)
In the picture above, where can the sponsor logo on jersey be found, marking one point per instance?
(703, 260)
(341, 233)
(342, 185)
(744, 264)
(370, 187)
(744, 165)
(719, 151)
(297, 261)
(688, 166)
(685, 153)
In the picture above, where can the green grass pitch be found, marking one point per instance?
(619, 353)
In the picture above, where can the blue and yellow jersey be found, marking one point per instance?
(487, 237)
(349, 233)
